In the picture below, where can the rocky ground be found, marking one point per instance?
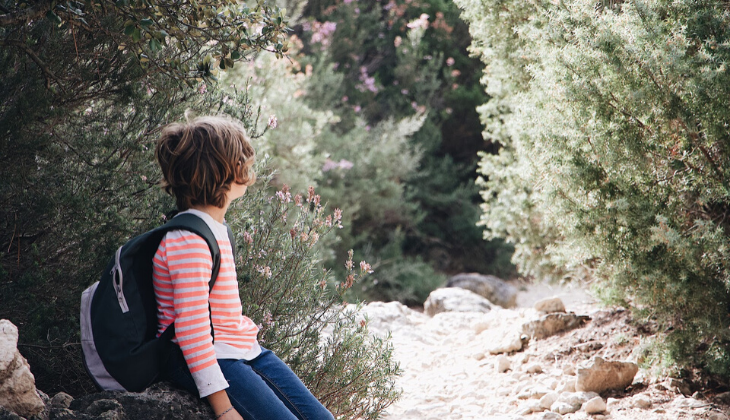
(450, 373)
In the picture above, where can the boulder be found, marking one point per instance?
(595, 405)
(570, 402)
(552, 324)
(550, 305)
(455, 300)
(494, 289)
(17, 385)
(160, 401)
(602, 376)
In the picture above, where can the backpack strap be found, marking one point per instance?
(198, 226)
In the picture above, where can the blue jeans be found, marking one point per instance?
(260, 389)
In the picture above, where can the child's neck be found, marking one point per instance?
(217, 213)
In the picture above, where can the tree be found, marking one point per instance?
(615, 160)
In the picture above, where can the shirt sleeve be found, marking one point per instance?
(190, 266)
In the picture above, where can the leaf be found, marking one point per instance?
(53, 17)
(155, 45)
(129, 29)
(235, 55)
(136, 35)
(146, 23)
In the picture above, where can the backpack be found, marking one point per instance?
(119, 312)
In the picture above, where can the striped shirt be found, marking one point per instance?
(182, 267)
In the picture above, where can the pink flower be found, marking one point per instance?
(310, 190)
(298, 200)
(450, 61)
(273, 122)
(328, 221)
(247, 238)
(365, 267)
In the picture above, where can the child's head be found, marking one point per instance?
(200, 160)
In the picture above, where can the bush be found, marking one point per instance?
(614, 119)
(299, 305)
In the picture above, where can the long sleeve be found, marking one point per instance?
(182, 270)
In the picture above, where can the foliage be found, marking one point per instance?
(388, 60)
(616, 157)
(298, 304)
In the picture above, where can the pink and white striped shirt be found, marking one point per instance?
(182, 268)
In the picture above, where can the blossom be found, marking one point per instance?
(397, 41)
(421, 22)
(310, 191)
(328, 221)
(273, 121)
(450, 61)
(203, 88)
(247, 238)
(298, 200)
(365, 267)
(338, 215)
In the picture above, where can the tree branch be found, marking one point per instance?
(44, 68)
(24, 15)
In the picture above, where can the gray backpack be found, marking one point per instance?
(119, 312)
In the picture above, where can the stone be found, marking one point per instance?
(492, 288)
(550, 305)
(61, 400)
(603, 376)
(549, 415)
(717, 416)
(160, 401)
(508, 343)
(549, 399)
(502, 364)
(563, 408)
(723, 398)
(680, 386)
(595, 405)
(452, 299)
(534, 368)
(641, 401)
(17, 384)
(552, 324)
(569, 385)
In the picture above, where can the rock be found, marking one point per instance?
(612, 403)
(569, 370)
(160, 401)
(563, 408)
(455, 300)
(569, 385)
(716, 416)
(17, 384)
(502, 364)
(549, 399)
(492, 288)
(550, 305)
(549, 415)
(603, 376)
(507, 343)
(552, 324)
(534, 368)
(594, 406)
(680, 386)
(723, 398)
(61, 400)
(641, 401)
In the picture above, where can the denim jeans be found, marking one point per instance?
(260, 389)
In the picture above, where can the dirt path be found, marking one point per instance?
(448, 374)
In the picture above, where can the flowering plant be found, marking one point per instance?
(298, 304)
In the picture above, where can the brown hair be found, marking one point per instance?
(201, 158)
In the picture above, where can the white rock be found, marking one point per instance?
(549, 399)
(594, 406)
(534, 368)
(548, 415)
(508, 342)
(563, 408)
(569, 370)
(717, 416)
(612, 403)
(550, 305)
(452, 299)
(641, 401)
(569, 385)
(17, 384)
(502, 364)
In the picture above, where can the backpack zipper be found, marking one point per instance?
(119, 286)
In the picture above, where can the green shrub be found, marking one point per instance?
(299, 307)
(616, 157)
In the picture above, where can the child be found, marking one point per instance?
(206, 164)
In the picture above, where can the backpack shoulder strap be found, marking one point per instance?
(198, 226)
(232, 240)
